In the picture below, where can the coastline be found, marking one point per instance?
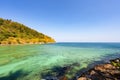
(101, 71)
(106, 71)
(27, 44)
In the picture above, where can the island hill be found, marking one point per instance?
(15, 33)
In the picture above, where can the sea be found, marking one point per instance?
(53, 61)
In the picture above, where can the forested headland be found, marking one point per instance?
(16, 33)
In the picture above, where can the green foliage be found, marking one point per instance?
(14, 32)
(116, 64)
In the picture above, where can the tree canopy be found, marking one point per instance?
(16, 33)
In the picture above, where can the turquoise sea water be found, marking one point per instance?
(36, 62)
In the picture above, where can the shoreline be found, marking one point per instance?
(100, 71)
(26, 44)
(106, 71)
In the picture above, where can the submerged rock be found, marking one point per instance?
(59, 73)
(108, 71)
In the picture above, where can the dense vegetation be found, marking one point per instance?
(16, 33)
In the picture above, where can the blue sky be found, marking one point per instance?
(67, 20)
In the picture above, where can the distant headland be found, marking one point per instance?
(16, 33)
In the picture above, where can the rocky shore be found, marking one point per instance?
(107, 71)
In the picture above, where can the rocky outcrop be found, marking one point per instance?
(108, 71)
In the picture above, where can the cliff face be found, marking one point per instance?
(16, 33)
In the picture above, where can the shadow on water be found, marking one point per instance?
(58, 73)
(14, 76)
(55, 73)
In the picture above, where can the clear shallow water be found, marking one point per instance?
(32, 62)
